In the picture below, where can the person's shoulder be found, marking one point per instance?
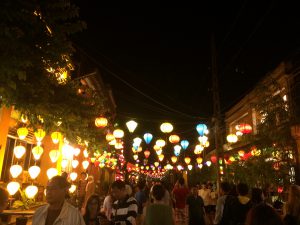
(41, 209)
(131, 200)
(71, 207)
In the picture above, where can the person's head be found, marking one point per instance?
(242, 189)
(158, 192)
(194, 191)
(3, 199)
(141, 185)
(225, 187)
(263, 214)
(293, 203)
(128, 189)
(64, 174)
(257, 195)
(90, 179)
(56, 189)
(118, 189)
(92, 205)
(181, 181)
(82, 176)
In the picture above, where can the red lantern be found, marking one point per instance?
(213, 159)
(245, 128)
(280, 189)
(174, 139)
(147, 153)
(101, 122)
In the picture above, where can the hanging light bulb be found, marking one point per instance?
(12, 187)
(31, 191)
(54, 154)
(52, 172)
(15, 170)
(22, 132)
(37, 151)
(55, 136)
(73, 176)
(19, 151)
(34, 171)
(75, 163)
(131, 125)
(39, 135)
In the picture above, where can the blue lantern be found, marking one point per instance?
(148, 137)
(176, 152)
(201, 129)
(184, 144)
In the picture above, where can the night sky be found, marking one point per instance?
(164, 55)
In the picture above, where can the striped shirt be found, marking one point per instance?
(124, 212)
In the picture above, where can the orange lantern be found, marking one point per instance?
(161, 157)
(109, 137)
(199, 160)
(174, 159)
(147, 153)
(101, 122)
(241, 153)
(174, 139)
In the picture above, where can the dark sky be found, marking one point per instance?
(164, 55)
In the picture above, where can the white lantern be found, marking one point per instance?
(19, 151)
(166, 127)
(160, 142)
(52, 172)
(73, 176)
(12, 187)
(131, 125)
(76, 151)
(54, 154)
(15, 170)
(34, 171)
(31, 191)
(232, 138)
(72, 189)
(137, 141)
(64, 163)
(118, 133)
(85, 164)
(75, 163)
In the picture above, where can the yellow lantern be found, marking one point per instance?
(101, 165)
(31, 191)
(72, 189)
(174, 139)
(161, 143)
(158, 152)
(75, 163)
(22, 132)
(166, 127)
(85, 164)
(187, 160)
(231, 158)
(34, 171)
(109, 137)
(203, 139)
(199, 160)
(232, 138)
(15, 170)
(131, 125)
(55, 136)
(156, 164)
(19, 151)
(174, 159)
(140, 149)
(52, 172)
(39, 135)
(37, 151)
(73, 176)
(54, 154)
(101, 122)
(12, 187)
(135, 157)
(161, 157)
(168, 167)
(118, 145)
(156, 147)
(118, 133)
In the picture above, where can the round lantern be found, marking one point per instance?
(166, 127)
(12, 187)
(174, 139)
(158, 152)
(198, 149)
(137, 141)
(202, 139)
(184, 144)
(147, 154)
(31, 191)
(19, 151)
(156, 164)
(187, 160)
(201, 129)
(118, 133)
(161, 143)
(156, 147)
(101, 122)
(73, 176)
(76, 151)
(15, 170)
(208, 163)
(64, 163)
(22, 132)
(39, 134)
(161, 157)
(135, 156)
(52, 172)
(245, 128)
(213, 158)
(148, 137)
(55, 136)
(54, 154)
(232, 138)
(131, 125)
(109, 137)
(190, 167)
(241, 153)
(174, 159)
(199, 160)
(34, 171)
(37, 151)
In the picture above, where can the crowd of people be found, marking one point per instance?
(154, 203)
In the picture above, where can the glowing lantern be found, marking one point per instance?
(206, 144)
(232, 138)
(199, 160)
(118, 133)
(166, 127)
(39, 135)
(24, 118)
(31, 191)
(280, 189)
(76, 151)
(73, 176)
(139, 149)
(238, 133)
(135, 157)
(187, 160)
(52, 172)
(161, 157)
(147, 154)
(19, 151)
(15, 170)
(131, 125)
(54, 154)
(158, 152)
(55, 136)
(161, 143)
(12, 187)
(231, 158)
(118, 145)
(177, 150)
(179, 167)
(85, 164)
(213, 158)
(245, 128)
(85, 153)
(64, 163)
(22, 132)
(109, 137)
(208, 163)
(201, 129)
(156, 164)
(241, 153)
(190, 167)
(156, 147)
(34, 171)
(174, 159)
(101, 122)
(137, 141)
(198, 149)
(72, 189)
(174, 139)
(75, 163)
(184, 144)
(203, 139)
(37, 151)
(148, 138)
(67, 151)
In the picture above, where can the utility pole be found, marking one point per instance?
(216, 110)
